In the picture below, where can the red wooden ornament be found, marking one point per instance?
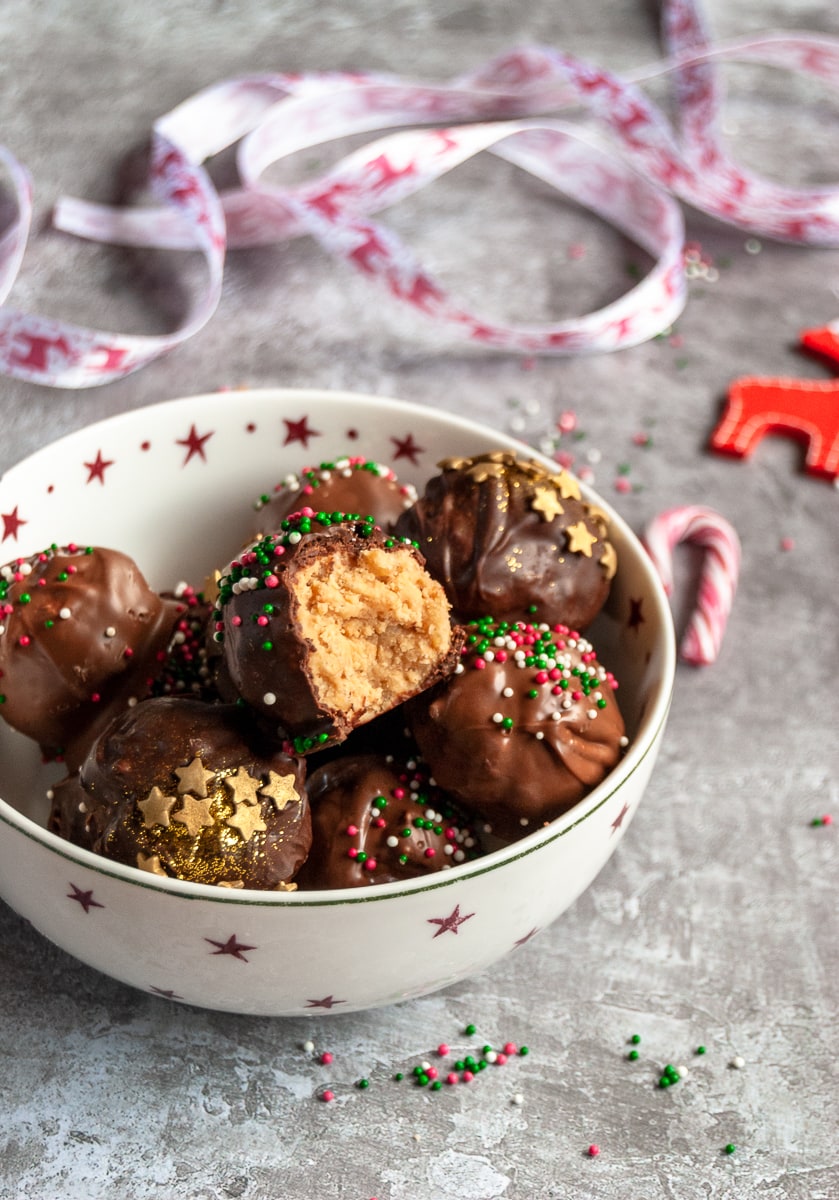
(805, 409)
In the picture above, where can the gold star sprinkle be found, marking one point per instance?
(247, 820)
(282, 886)
(609, 560)
(156, 808)
(580, 540)
(546, 502)
(150, 863)
(243, 786)
(569, 489)
(280, 789)
(194, 778)
(194, 814)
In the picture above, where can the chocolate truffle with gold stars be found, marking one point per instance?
(185, 789)
(506, 537)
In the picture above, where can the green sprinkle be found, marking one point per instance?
(267, 645)
(524, 1050)
(399, 1077)
(730, 1148)
(700, 1049)
(635, 1039)
(363, 1083)
(633, 1055)
(469, 1030)
(436, 1085)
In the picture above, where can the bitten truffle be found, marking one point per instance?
(507, 537)
(349, 484)
(329, 623)
(189, 790)
(526, 726)
(376, 820)
(82, 635)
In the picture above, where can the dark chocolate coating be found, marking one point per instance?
(82, 635)
(351, 484)
(376, 820)
(520, 740)
(153, 793)
(268, 657)
(505, 537)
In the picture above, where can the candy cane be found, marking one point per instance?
(703, 527)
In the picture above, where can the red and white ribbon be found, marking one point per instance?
(718, 574)
(632, 178)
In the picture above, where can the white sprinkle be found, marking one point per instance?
(269, 698)
(518, 1098)
(555, 716)
(737, 1062)
(50, 794)
(624, 740)
(458, 856)
(539, 735)
(2, 630)
(64, 613)
(508, 691)
(524, 820)
(498, 717)
(592, 714)
(683, 1071)
(752, 246)
(392, 842)
(491, 1056)
(489, 656)
(308, 1047)
(447, 849)
(132, 701)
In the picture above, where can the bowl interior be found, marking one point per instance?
(173, 485)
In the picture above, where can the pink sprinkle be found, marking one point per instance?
(501, 1060)
(262, 619)
(430, 852)
(370, 864)
(593, 1150)
(399, 793)
(576, 250)
(576, 695)
(510, 1048)
(827, 820)
(237, 620)
(467, 1076)
(278, 550)
(787, 543)
(352, 852)
(326, 1058)
(542, 677)
(622, 484)
(480, 663)
(271, 581)
(327, 1096)
(567, 421)
(431, 1072)
(443, 1049)
(95, 697)
(24, 640)
(501, 656)
(128, 652)
(380, 822)
(352, 830)
(42, 583)
(451, 1078)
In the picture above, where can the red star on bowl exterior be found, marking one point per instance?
(451, 923)
(232, 946)
(11, 524)
(97, 468)
(194, 443)
(521, 941)
(618, 821)
(299, 431)
(326, 1002)
(85, 899)
(407, 448)
(166, 993)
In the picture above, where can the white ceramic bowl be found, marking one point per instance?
(173, 485)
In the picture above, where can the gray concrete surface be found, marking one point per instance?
(715, 923)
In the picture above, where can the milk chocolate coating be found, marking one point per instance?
(351, 484)
(82, 634)
(376, 820)
(267, 656)
(520, 740)
(507, 537)
(189, 790)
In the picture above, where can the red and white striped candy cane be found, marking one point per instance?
(718, 575)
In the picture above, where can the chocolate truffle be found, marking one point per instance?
(506, 537)
(82, 635)
(189, 790)
(329, 623)
(376, 820)
(185, 669)
(349, 484)
(525, 727)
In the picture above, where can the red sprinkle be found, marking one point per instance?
(326, 1058)
(327, 1096)
(593, 1150)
